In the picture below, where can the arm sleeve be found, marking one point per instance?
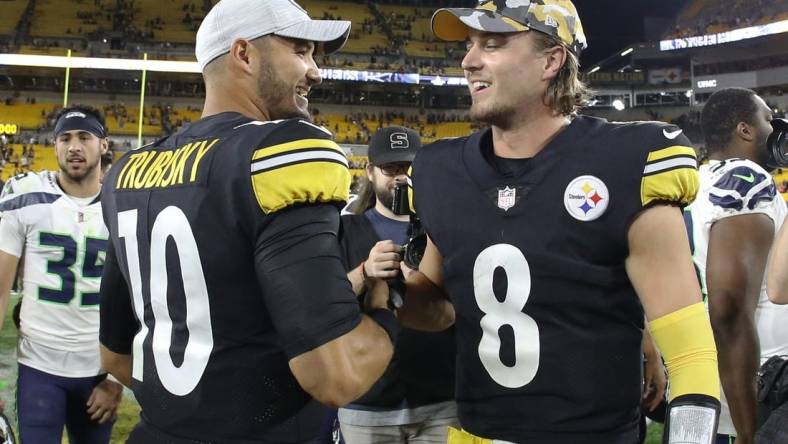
(686, 341)
(304, 284)
(118, 324)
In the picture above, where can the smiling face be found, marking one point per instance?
(285, 76)
(79, 154)
(505, 75)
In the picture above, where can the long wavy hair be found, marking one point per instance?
(566, 93)
(366, 195)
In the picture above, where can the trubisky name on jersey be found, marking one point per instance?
(161, 169)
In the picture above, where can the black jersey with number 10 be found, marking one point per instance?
(207, 283)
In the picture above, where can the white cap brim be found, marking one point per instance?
(332, 33)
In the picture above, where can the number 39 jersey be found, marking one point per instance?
(548, 324)
(223, 265)
(64, 242)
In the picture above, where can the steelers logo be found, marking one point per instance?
(586, 198)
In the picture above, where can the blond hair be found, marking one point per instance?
(566, 93)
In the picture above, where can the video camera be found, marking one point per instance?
(777, 144)
(417, 237)
(413, 250)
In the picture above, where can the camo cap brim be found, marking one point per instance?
(556, 18)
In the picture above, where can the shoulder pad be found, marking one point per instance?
(24, 183)
(298, 162)
(740, 184)
(28, 189)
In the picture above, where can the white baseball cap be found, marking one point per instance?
(230, 20)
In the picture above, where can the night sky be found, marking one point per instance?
(610, 25)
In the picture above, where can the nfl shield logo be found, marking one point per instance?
(506, 198)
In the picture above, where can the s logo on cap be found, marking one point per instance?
(399, 141)
(75, 114)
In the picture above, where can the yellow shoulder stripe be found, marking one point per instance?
(670, 174)
(670, 158)
(296, 145)
(670, 151)
(679, 185)
(302, 171)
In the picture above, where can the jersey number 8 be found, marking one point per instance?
(507, 312)
(169, 223)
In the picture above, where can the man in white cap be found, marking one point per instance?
(552, 233)
(224, 304)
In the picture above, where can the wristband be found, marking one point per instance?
(386, 319)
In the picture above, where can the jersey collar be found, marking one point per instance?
(486, 176)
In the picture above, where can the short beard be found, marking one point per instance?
(273, 92)
(384, 196)
(78, 179)
(497, 115)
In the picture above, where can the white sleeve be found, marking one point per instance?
(12, 234)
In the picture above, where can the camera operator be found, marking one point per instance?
(415, 397)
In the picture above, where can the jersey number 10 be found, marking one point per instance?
(169, 223)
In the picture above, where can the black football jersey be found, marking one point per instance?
(224, 264)
(548, 324)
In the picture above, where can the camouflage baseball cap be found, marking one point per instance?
(556, 18)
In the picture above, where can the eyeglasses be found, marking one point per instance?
(394, 169)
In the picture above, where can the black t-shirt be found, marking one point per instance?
(422, 369)
(223, 265)
(548, 324)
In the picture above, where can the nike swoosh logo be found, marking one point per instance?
(671, 134)
(750, 178)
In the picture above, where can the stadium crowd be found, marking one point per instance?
(478, 290)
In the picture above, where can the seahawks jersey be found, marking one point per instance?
(64, 241)
(548, 324)
(223, 265)
(730, 188)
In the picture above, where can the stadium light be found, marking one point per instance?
(47, 61)
(593, 70)
(98, 63)
(627, 51)
(618, 105)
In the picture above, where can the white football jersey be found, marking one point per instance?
(63, 240)
(730, 188)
